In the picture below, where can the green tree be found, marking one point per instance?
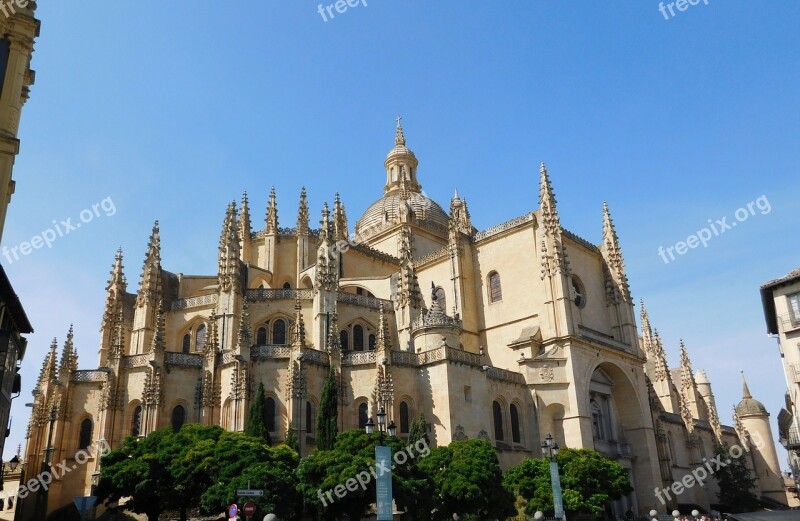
(291, 439)
(256, 424)
(588, 481)
(736, 482)
(465, 478)
(328, 417)
(419, 429)
(158, 472)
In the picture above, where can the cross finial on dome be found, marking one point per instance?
(399, 137)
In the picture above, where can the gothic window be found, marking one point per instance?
(794, 307)
(287, 285)
(187, 342)
(371, 342)
(136, 422)
(441, 299)
(309, 418)
(200, 338)
(85, 438)
(404, 423)
(178, 417)
(279, 332)
(362, 415)
(269, 414)
(598, 421)
(498, 421)
(495, 291)
(515, 435)
(344, 340)
(579, 293)
(358, 338)
(261, 336)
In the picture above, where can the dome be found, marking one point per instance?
(389, 209)
(749, 406)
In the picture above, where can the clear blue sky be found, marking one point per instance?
(173, 111)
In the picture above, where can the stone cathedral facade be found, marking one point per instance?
(506, 334)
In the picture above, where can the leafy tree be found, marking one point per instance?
(353, 455)
(256, 424)
(465, 478)
(588, 482)
(419, 429)
(291, 439)
(736, 482)
(328, 417)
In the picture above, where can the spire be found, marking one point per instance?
(327, 271)
(660, 369)
(115, 289)
(272, 213)
(401, 164)
(547, 202)
(647, 331)
(613, 254)
(48, 372)
(459, 214)
(243, 341)
(325, 224)
(686, 413)
(745, 390)
(157, 342)
(244, 221)
(687, 379)
(150, 285)
(118, 336)
(340, 232)
(212, 338)
(228, 269)
(69, 357)
(302, 214)
(299, 326)
(404, 244)
(399, 136)
(383, 343)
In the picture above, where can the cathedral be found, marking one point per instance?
(508, 334)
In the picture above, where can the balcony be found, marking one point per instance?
(794, 372)
(791, 440)
(787, 323)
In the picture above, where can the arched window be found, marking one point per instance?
(441, 299)
(178, 417)
(498, 421)
(261, 336)
(287, 285)
(358, 338)
(495, 291)
(597, 420)
(136, 421)
(309, 418)
(344, 340)
(187, 343)
(371, 342)
(579, 293)
(279, 332)
(200, 338)
(515, 435)
(269, 414)
(362, 415)
(403, 418)
(85, 438)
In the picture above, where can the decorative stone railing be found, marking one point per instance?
(433, 256)
(464, 357)
(183, 359)
(283, 232)
(404, 358)
(580, 240)
(270, 351)
(129, 362)
(359, 358)
(226, 357)
(430, 356)
(500, 228)
(193, 302)
(429, 320)
(261, 295)
(89, 375)
(316, 357)
(363, 301)
(495, 373)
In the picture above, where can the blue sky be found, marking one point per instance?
(173, 111)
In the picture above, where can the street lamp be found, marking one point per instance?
(695, 513)
(550, 451)
(676, 514)
(654, 515)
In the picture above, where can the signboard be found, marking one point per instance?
(558, 497)
(249, 509)
(84, 504)
(233, 510)
(246, 492)
(383, 486)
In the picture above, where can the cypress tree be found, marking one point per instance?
(328, 417)
(418, 429)
(256, 424)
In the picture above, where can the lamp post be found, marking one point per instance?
(550, 451)
(383, 460)
(654, 515)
